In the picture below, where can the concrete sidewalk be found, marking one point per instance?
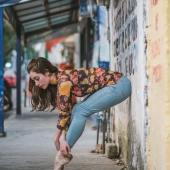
(29, 145)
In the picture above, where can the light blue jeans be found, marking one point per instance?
(102, 99)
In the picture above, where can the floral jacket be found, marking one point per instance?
(80, 83)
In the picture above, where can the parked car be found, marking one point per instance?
(10, 76)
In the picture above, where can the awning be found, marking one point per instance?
(4, 3)
(42, 20)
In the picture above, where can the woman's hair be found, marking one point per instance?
(42, 99)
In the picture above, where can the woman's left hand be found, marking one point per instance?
(64, 147)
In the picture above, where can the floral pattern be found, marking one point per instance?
(79, 83)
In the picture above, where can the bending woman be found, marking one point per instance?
(53, 88)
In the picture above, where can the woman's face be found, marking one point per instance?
(41, 80)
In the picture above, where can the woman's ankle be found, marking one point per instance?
(61, 160)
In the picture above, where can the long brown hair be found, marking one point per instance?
(42, 99)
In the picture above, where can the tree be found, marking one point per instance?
(10, 45)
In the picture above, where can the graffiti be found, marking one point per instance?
(131, 70)
(123, 13)
(119, 63)
(122, 42)
(129, 66)
(126, 65)
(126, 38)
(156, 47)
(134, 4)
(157, 73)
(154, 2)
(156, 22)
(125, 35)
(116, 47)
(134, 28)
(128, 7)
(126, 10)
(118, 21)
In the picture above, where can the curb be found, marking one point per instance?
(11, 117)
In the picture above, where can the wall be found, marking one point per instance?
(159, 82)
(128, 54)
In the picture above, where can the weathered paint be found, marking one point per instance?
(159, 82)
(128, 44)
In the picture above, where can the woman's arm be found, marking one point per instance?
(56, 138)
(64, 146)
(64, 104)
(61, 143)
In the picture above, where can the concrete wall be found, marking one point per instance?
(159, 85)
(128, 22)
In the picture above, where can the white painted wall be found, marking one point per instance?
(130, 117)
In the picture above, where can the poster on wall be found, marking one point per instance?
(104, 57)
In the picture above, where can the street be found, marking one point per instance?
(29, 145)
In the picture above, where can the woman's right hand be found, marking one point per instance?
(56, 139)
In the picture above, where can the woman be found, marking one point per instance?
(53, 88)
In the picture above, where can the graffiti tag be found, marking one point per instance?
(156, 47)
(154, 2)
(157, 73)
